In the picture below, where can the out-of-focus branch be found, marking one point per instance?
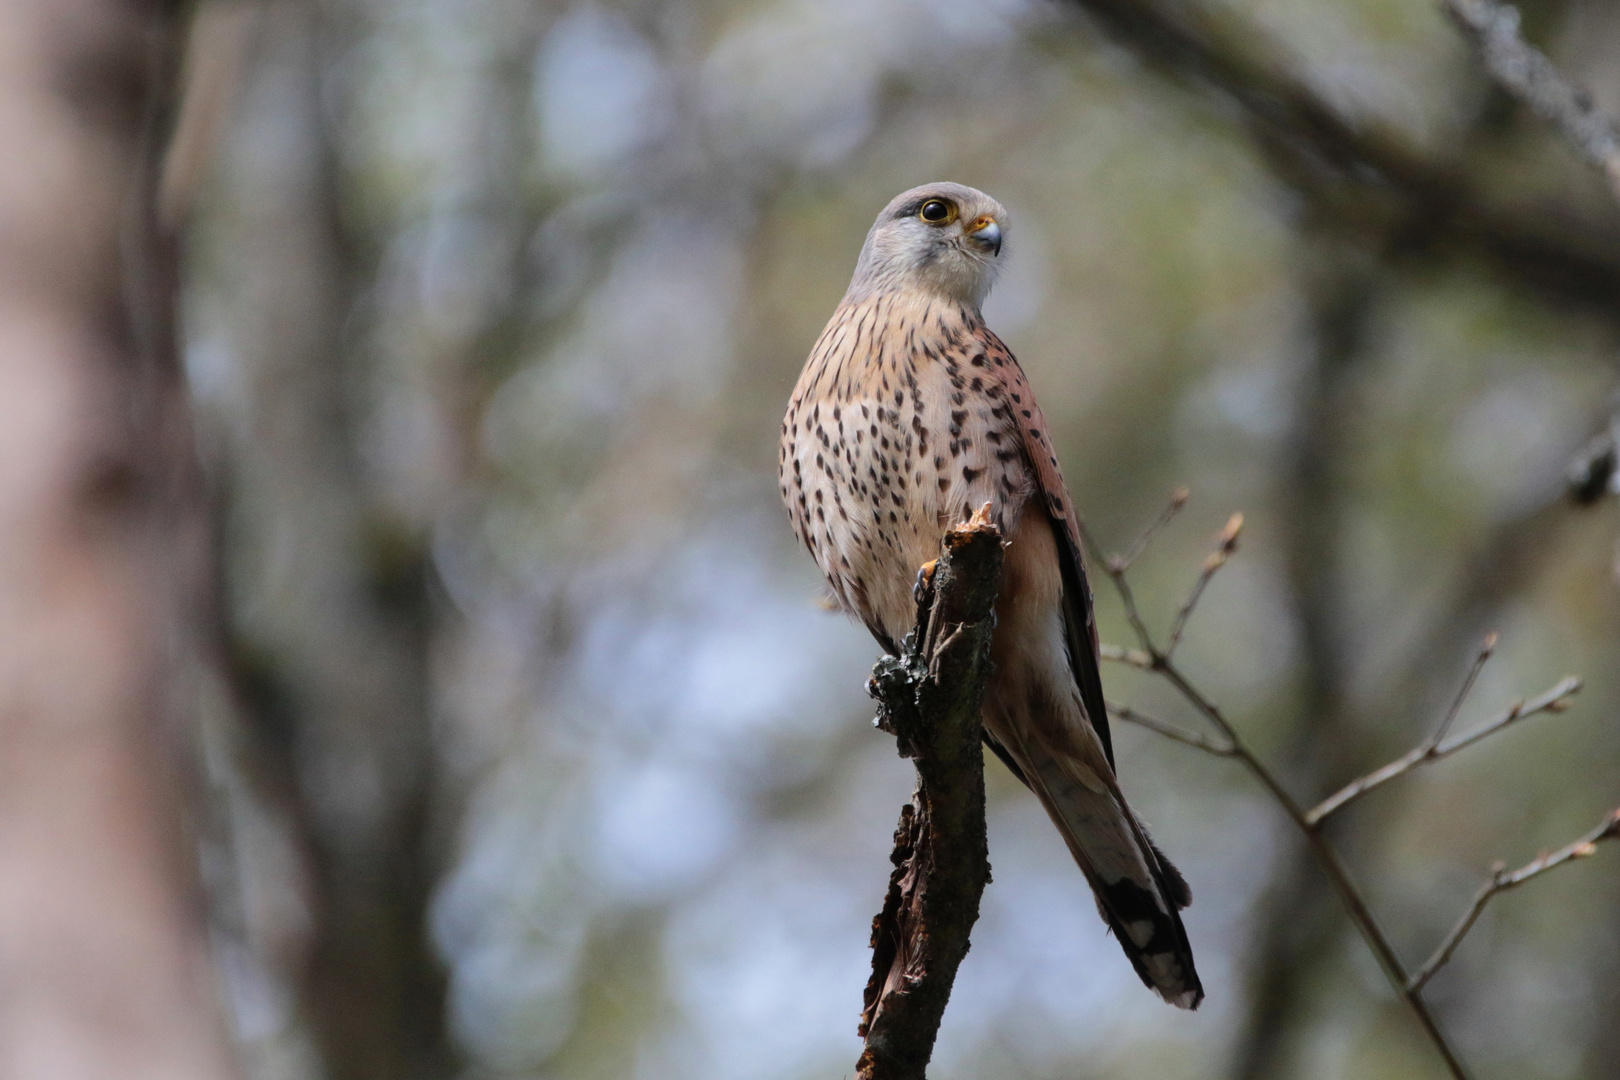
(1501, 881)
(1526, 73)
(1327, 154)
(929, 698)
(1591, 472)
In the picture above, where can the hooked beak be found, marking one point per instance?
(987, 234)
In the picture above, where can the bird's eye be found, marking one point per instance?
(937, 212)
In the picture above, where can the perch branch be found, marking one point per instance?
(1525, 72)
(1501, 881)
(929, 698)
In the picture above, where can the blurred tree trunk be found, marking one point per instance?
(102, 548)
(332, 620)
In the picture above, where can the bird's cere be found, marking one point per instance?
(987, 234)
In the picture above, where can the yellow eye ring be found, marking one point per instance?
(937, 212)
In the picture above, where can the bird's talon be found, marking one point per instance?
(925, 579)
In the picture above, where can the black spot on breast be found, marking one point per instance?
(971, 475)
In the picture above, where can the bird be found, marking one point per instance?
(908, 416)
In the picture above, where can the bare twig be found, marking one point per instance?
(929, 698)
(1150, 657)
(1501, 881)
(1554, 700)
(1487, 649)
(1178, 499)
(1525, 72)
(1116, 565)
(1227, 544)
(1135, 658)
(1355, 904)
(1171, 731)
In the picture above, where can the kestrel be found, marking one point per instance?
(909, 415)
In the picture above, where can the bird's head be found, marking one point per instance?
(939, 238)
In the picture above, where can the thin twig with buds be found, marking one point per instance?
(1148, 656)
(1554, 700)
(1501, 881)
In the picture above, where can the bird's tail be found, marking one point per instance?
(1139, 892)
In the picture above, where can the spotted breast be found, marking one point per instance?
(898, 429)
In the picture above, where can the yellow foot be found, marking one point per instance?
(925, 578)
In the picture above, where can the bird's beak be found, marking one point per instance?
(987, 234)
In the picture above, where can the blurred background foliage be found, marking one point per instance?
(539, 758)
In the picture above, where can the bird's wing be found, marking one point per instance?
(1019, 402)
